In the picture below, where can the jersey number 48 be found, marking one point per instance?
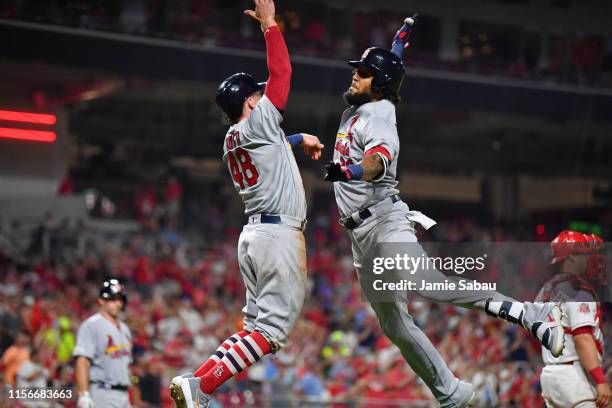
(242, 168)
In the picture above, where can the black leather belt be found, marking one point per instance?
(107, 386)
(349, 223)
(270, 219)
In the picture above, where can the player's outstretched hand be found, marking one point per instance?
(264, 13)
(604, 396)
(336, 172)
(312, 146)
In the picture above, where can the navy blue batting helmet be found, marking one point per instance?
(388, 70)
(233, 91)
(112, 289)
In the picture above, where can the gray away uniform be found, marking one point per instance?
(362, 128)
(271, 248)
(110, 350)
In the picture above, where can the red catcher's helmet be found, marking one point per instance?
(568, 243)
(596, 264)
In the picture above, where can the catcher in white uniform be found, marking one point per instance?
(576, 378)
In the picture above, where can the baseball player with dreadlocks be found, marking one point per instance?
(363, 171)
(271, 248)
(576, 377)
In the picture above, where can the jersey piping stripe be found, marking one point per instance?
(380, 150)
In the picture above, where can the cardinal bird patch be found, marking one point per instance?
(584, 308)
(117, 351)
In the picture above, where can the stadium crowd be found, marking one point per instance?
(184, 299)
(485, 49)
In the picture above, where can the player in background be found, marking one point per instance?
(271, 247)
(576, 378)
(363, 171)
(104, 353)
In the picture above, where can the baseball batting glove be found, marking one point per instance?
(338, 172)
(85, 400)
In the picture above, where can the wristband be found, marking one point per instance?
(356, 171)
(295, 140)
(598, 375)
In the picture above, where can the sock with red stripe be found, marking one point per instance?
(239, 356)
(219, 353)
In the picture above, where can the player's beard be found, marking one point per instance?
(357, 99)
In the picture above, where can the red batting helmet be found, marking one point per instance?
(568, 243)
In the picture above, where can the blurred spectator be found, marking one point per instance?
(177, 351)
(61, 339)
(314, 35)
(145, 203)
(586, 54)
(173, 194)
(15, 356)
(64, 377)
(170, 325)
(487, 48)
(10, 321)
(32, 375)
(150, 382)
(310, 382)
(66, 186)
(134, 16)
(337, 348)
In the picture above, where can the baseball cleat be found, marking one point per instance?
(184, 391)
(550, 331)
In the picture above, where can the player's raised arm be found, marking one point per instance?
(279, 66)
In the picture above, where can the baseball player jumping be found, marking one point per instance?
(104, 352)
(271, 248)
(576, 378)
(363, 171)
